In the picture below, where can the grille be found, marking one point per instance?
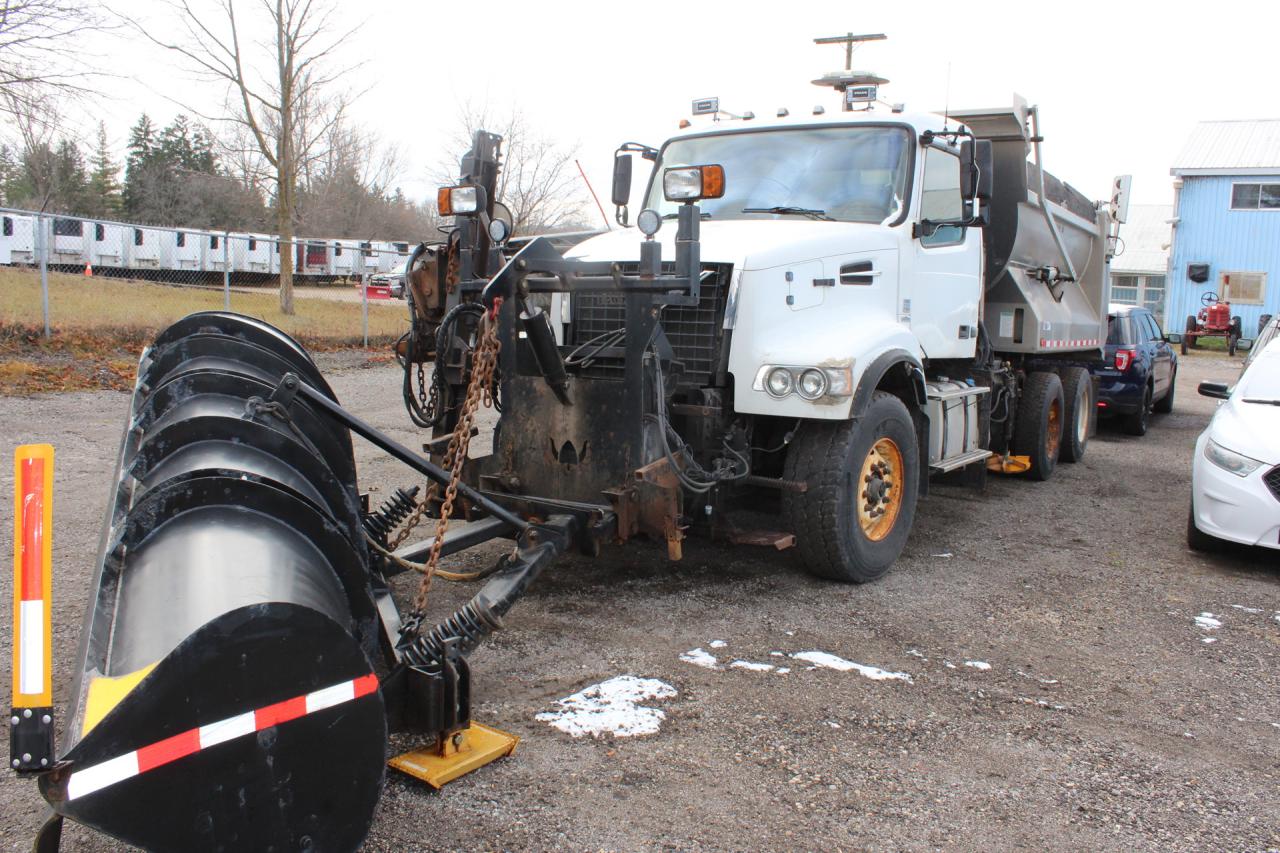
(693, 330)
(1272, 479)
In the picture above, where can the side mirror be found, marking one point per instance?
(976, 165)
(1217, 390)
(621, 179)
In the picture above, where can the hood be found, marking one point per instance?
(749, 244)
(1252, 429)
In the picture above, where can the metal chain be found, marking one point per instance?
(479, 390)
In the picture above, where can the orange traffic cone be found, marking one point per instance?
(88, 270)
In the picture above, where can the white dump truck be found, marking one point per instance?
(859, 300)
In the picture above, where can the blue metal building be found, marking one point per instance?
(1227, 221)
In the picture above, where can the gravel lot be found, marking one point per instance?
(1104, 720)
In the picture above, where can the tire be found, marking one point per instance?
(1165, 404)
(1038, 432)
(1233, 340)
(1197, 539)
(1189, 334)
(836, 537)
(1137, 423)
(1077, 391)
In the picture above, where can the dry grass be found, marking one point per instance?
(100, 325)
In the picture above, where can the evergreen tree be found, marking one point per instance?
(142, 143)
(104, 185)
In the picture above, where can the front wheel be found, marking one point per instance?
(862, 478)
(1165, 406)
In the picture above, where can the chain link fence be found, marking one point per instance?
(65, 272)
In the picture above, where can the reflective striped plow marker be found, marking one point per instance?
(31, 746)
(224, 696)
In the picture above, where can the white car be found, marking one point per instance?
(1235, 475)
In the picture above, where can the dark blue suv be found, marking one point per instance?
(1137, 375)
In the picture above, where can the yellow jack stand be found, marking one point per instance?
(1009, 464)
(456, 755)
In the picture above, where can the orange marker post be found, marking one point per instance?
(31, 746)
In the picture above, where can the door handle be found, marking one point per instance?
(858, 272)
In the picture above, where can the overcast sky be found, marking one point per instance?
(1120, 84)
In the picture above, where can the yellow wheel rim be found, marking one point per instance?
(1053, 433)
(880, 489)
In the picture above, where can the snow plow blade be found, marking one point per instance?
(226, 695)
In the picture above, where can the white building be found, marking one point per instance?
(1139, 276)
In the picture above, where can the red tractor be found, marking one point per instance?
(1213, 321)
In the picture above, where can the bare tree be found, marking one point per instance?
(42, 49)
(538, 182)
(282, 90)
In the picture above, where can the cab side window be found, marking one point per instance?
(940, 197)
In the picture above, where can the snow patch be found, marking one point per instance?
(717, 644)
(916, 653)
(776, 655)
(700, 657)
(978, 664)
(1208, 621)
(827, 660)
(783, 670)
(1208, 639)
(612, 707)
(1247, 609)
(752, 666)
(1040, 703)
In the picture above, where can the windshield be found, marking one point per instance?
(1261, 382)
(854, 174)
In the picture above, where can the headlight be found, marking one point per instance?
(498, 230)
(458, 201)
(693, 182)
(1229, 460)
(779, 382)
(812, 384)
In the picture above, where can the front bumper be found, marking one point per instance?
(1238, 509)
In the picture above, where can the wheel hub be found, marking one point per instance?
(880, 492)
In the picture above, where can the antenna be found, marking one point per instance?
(858, 87)
(946, 106)
(849, 41)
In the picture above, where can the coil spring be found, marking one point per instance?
(394, 510)
(469, 625)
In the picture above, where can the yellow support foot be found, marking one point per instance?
(456, 755)
(1009, 464)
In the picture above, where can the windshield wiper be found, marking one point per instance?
(812, 213)
(1263, 402)
(705, 215)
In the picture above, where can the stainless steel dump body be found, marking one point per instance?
(1031, 304)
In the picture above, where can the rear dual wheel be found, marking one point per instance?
(1041, 418)
(1077, 393)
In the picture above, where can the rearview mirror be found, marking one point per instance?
(1217, 390)
(621, 179)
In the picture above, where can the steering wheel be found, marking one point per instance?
(1209, 298)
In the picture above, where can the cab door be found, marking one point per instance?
(942, 285)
